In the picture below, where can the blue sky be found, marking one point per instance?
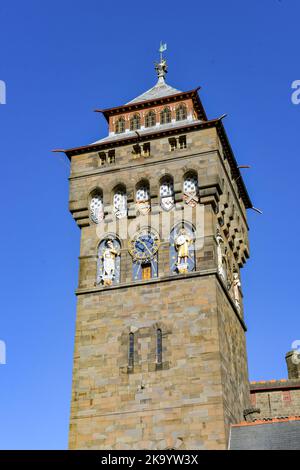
(60, 60)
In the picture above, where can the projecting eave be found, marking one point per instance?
(135, 106)
(169, 131)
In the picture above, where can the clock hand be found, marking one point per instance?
(147, 248)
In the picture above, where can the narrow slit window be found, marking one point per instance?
(131, 350)
(159, 346)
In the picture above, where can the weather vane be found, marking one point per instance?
(162, 48)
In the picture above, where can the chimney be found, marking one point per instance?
(293, 364)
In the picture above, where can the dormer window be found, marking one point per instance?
(165, 116)
(150, 119)
(181, 112)
(135, 122)
(120, 126)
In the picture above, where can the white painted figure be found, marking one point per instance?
(221, 256)
(236, 284)
(109, 255)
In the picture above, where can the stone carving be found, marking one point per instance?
(182, 243)
(96, 209)
(120, 204)
(190, 190)
(182, 249)
(109, 268)
(221, 254)
(161, 68)
(250, 414)
(236, 284)
(230, 267)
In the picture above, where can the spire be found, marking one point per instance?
(161, 67)
(161, 88)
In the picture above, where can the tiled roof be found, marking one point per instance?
(148, 130)
(273, 434)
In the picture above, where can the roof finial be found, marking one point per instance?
(161, 68)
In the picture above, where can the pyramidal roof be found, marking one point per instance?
(159, 90)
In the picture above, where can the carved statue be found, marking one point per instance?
(182, 242)
(230, 268)
(109, 255)
(221, 256)
(161, 68)
(236, 284)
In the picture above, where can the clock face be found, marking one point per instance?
(144, 245)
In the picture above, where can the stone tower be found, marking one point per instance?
(160, 355)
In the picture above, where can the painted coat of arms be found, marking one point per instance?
(167, 199)
(190, 190)
(143, 204)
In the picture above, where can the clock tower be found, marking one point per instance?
(160, 355)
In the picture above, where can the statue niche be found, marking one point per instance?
(182, 249)
(108, 272)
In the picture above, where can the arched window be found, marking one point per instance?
(181, 112)
(165, 116)
(159, 346)
(191, 189)
(109, 261)
(96, 207)
(166, 191)
(120, 202)
(182, 248)
(142, 197)
(120, 125)
(135, 122)
(150, 119)
(131, 350)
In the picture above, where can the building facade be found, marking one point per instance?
(160, 354)
(278, 398)
(273, 421)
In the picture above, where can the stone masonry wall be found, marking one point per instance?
(275, 399)
(189, 400)
(180, 405)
